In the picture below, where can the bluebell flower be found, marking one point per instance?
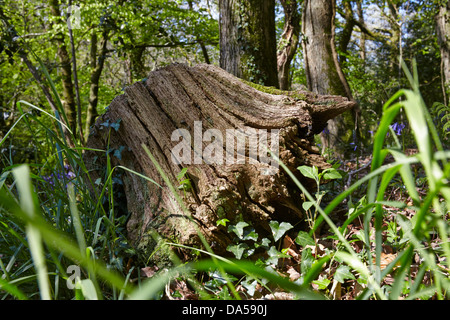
(58, 175)
(398, 127)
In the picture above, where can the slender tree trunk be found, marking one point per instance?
(396, 36)
(247, 40)
(75, 80)
(362, 43)
(138, 69)
(66, 73)
(347, 31)
(323, 72)
(97, 63)
(443, 35)
(289, 42)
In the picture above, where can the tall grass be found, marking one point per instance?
(48, 223)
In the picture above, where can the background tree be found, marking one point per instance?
(289, 40)
(323, 72)
(65, 65)
(443, 35)
(247, 40)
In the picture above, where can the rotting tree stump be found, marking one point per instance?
(153, 112)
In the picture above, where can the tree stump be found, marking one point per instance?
(182, 113)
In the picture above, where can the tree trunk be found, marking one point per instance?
(443, 35)
(323, 72)
(66, 74)
(97, 62)
(247, 40)
(362, 43)
(75, 80)
(204, 119)
(289, 42)
(347, 31)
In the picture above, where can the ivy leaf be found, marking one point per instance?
(264, 243)
(278, 230)
(307, 260)
(238, 229)
(116, 125)
(274, 255)
(118, 152)
(342, 273)
(250, 286)
(222, 222)
(237, 249)
(304, 239)
(106, 123)
(250, 234)
(322, 283)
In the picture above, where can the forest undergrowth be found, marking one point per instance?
(377, 229)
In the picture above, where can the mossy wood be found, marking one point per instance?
(174, 98)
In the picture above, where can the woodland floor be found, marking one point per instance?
(179, 289)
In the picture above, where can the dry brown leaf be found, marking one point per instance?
(385, 259)
(149, 272)
(293, 274)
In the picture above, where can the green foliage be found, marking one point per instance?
(442, 117)
(313, 173)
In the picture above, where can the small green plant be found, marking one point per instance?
(310, 207)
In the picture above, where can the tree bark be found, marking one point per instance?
(66, 74)
(347, 31)
(75, 80)
(225, 180)
(443, 35)
(289, 42)
(97, 63)
(362, 44)
(247, 40)
(323, 72)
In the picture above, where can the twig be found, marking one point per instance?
(349, 180)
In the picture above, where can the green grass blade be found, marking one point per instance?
(12, 289)
(27, 202)
(11, 129)
(60, 242)
(76, 218)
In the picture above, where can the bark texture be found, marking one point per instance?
(97, 62)
(179, 97)
(323, 72)
(289, 42)
(443, 35)
(66, 73)
(247, 40)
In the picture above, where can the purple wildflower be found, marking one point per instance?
(398, 127)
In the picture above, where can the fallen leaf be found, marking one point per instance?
(149, 272)
(385, 259)
(293, 274)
